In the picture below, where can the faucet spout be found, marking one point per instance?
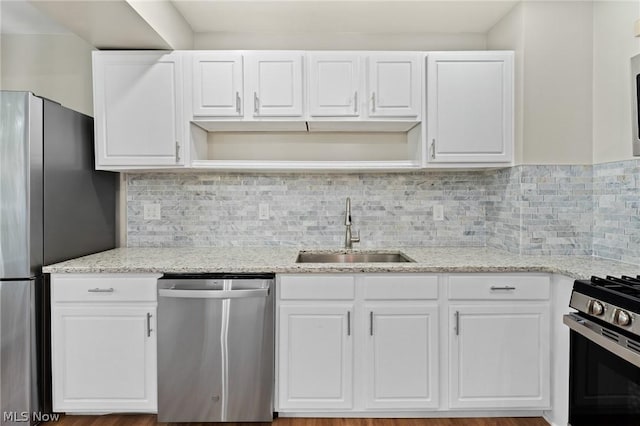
(349, 239)
(347, 216)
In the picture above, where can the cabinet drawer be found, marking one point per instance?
(499, 287)
(324, 287)
(104, 288)
(386, 287)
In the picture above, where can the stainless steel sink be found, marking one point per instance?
(356, 257)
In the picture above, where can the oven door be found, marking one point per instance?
(604, 388)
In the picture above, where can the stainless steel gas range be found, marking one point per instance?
(604, 368)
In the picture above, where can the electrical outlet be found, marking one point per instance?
(263, 211)
(151, 212)
(438, 212)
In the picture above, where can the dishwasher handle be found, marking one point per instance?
(213, 294)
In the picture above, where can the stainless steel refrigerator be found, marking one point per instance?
(53, 206)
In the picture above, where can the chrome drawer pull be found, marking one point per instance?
(507, 287)
(101, 290)
(348, 323)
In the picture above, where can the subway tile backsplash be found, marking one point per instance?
(306, 210)
(541, 210)
(616, 219)
(525, 209)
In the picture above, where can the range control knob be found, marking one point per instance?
(622, 318)
(595, 308)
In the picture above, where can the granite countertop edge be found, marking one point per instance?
(281, 260)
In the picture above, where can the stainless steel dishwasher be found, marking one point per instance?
(215, 347)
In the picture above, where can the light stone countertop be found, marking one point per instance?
(282, 260)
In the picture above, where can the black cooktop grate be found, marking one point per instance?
(626, 285)
(623, 292)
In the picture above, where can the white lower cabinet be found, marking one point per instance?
(401, 355)
(484, 337)
(389, 355)
(499, 356)
(499, 341)
(316, 356)
(104, 343)
(104, 359)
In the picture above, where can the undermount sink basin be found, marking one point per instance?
(356, 257)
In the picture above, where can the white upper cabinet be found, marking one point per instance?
(138, 109)
(217, 84)
(157, 109)
(470, 107)
(334, 84)
(274, 82)
(389, 87)
(394, 85)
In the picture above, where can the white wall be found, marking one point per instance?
(56, 66)
(339, 41)
(614, 43)
(558, 82)
(508, 34)
(553, 83)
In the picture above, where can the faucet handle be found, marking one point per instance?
(356, 239)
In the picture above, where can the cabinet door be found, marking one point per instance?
(401, 356)
(316, 356)
(395, 88)
(217, 84)
(470, 107)
(499, 356)
(334, 80)
(138, 109)
(104, 359)
(276, 84)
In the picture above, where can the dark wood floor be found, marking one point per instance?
(149, 420)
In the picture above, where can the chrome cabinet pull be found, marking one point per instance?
(101, 290)
(355, 102)
(348, 323)
(371, 323)
(506, 287)
(433, 149)
(238, 102)
(256, 102)
(177, 152)
(149, 325)
(457, 323)
(373, 102)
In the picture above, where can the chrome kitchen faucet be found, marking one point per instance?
(348, 238)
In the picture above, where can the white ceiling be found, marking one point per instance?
(359, 16)
(105, 24)
(116, 24)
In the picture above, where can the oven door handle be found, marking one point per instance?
(580, 326)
